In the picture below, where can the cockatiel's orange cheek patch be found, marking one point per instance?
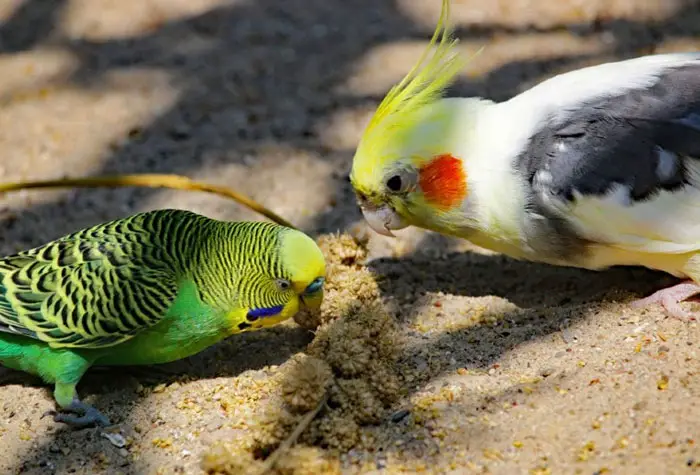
(443, 181)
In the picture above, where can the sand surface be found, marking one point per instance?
(496, 366)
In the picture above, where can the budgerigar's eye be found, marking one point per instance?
(283, 284)
(394, 183)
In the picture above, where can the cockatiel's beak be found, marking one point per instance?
(382, 219)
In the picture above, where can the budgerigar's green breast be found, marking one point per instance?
(188, 327)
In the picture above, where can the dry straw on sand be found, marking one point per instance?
(147, 180)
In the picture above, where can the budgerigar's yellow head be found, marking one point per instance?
(283, 272)
(304, 262)
(302, 273)
(404, 170)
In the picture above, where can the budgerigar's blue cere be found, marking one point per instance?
(314, 286)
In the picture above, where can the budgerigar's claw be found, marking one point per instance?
(669, 299)
(89, 419)
(79, 415)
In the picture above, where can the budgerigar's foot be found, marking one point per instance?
(669, 298)
(79, 415)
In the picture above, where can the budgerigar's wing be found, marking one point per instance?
(624, 169)
(93, 289)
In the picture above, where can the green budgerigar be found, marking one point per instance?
(151, 288)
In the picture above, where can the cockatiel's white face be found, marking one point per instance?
(407, 172)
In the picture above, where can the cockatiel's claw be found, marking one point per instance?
(669, 298)
(85, 416)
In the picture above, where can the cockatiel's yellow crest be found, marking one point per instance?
(418, 88)
(395, 154)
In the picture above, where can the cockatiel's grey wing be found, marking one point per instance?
(623, 169)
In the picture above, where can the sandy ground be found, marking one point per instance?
(499, 366)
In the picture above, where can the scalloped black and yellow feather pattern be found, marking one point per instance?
(99, 286)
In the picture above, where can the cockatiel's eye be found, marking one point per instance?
(394, 183)
(402, 181)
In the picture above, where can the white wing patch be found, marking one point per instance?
(668, 164)
(621, 195)
(667, 223)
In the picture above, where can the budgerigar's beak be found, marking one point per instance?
(382, 219)
(313, 301)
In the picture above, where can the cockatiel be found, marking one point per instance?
(593, 168)
(151, 288)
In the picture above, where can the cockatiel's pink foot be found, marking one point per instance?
(670, 297)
